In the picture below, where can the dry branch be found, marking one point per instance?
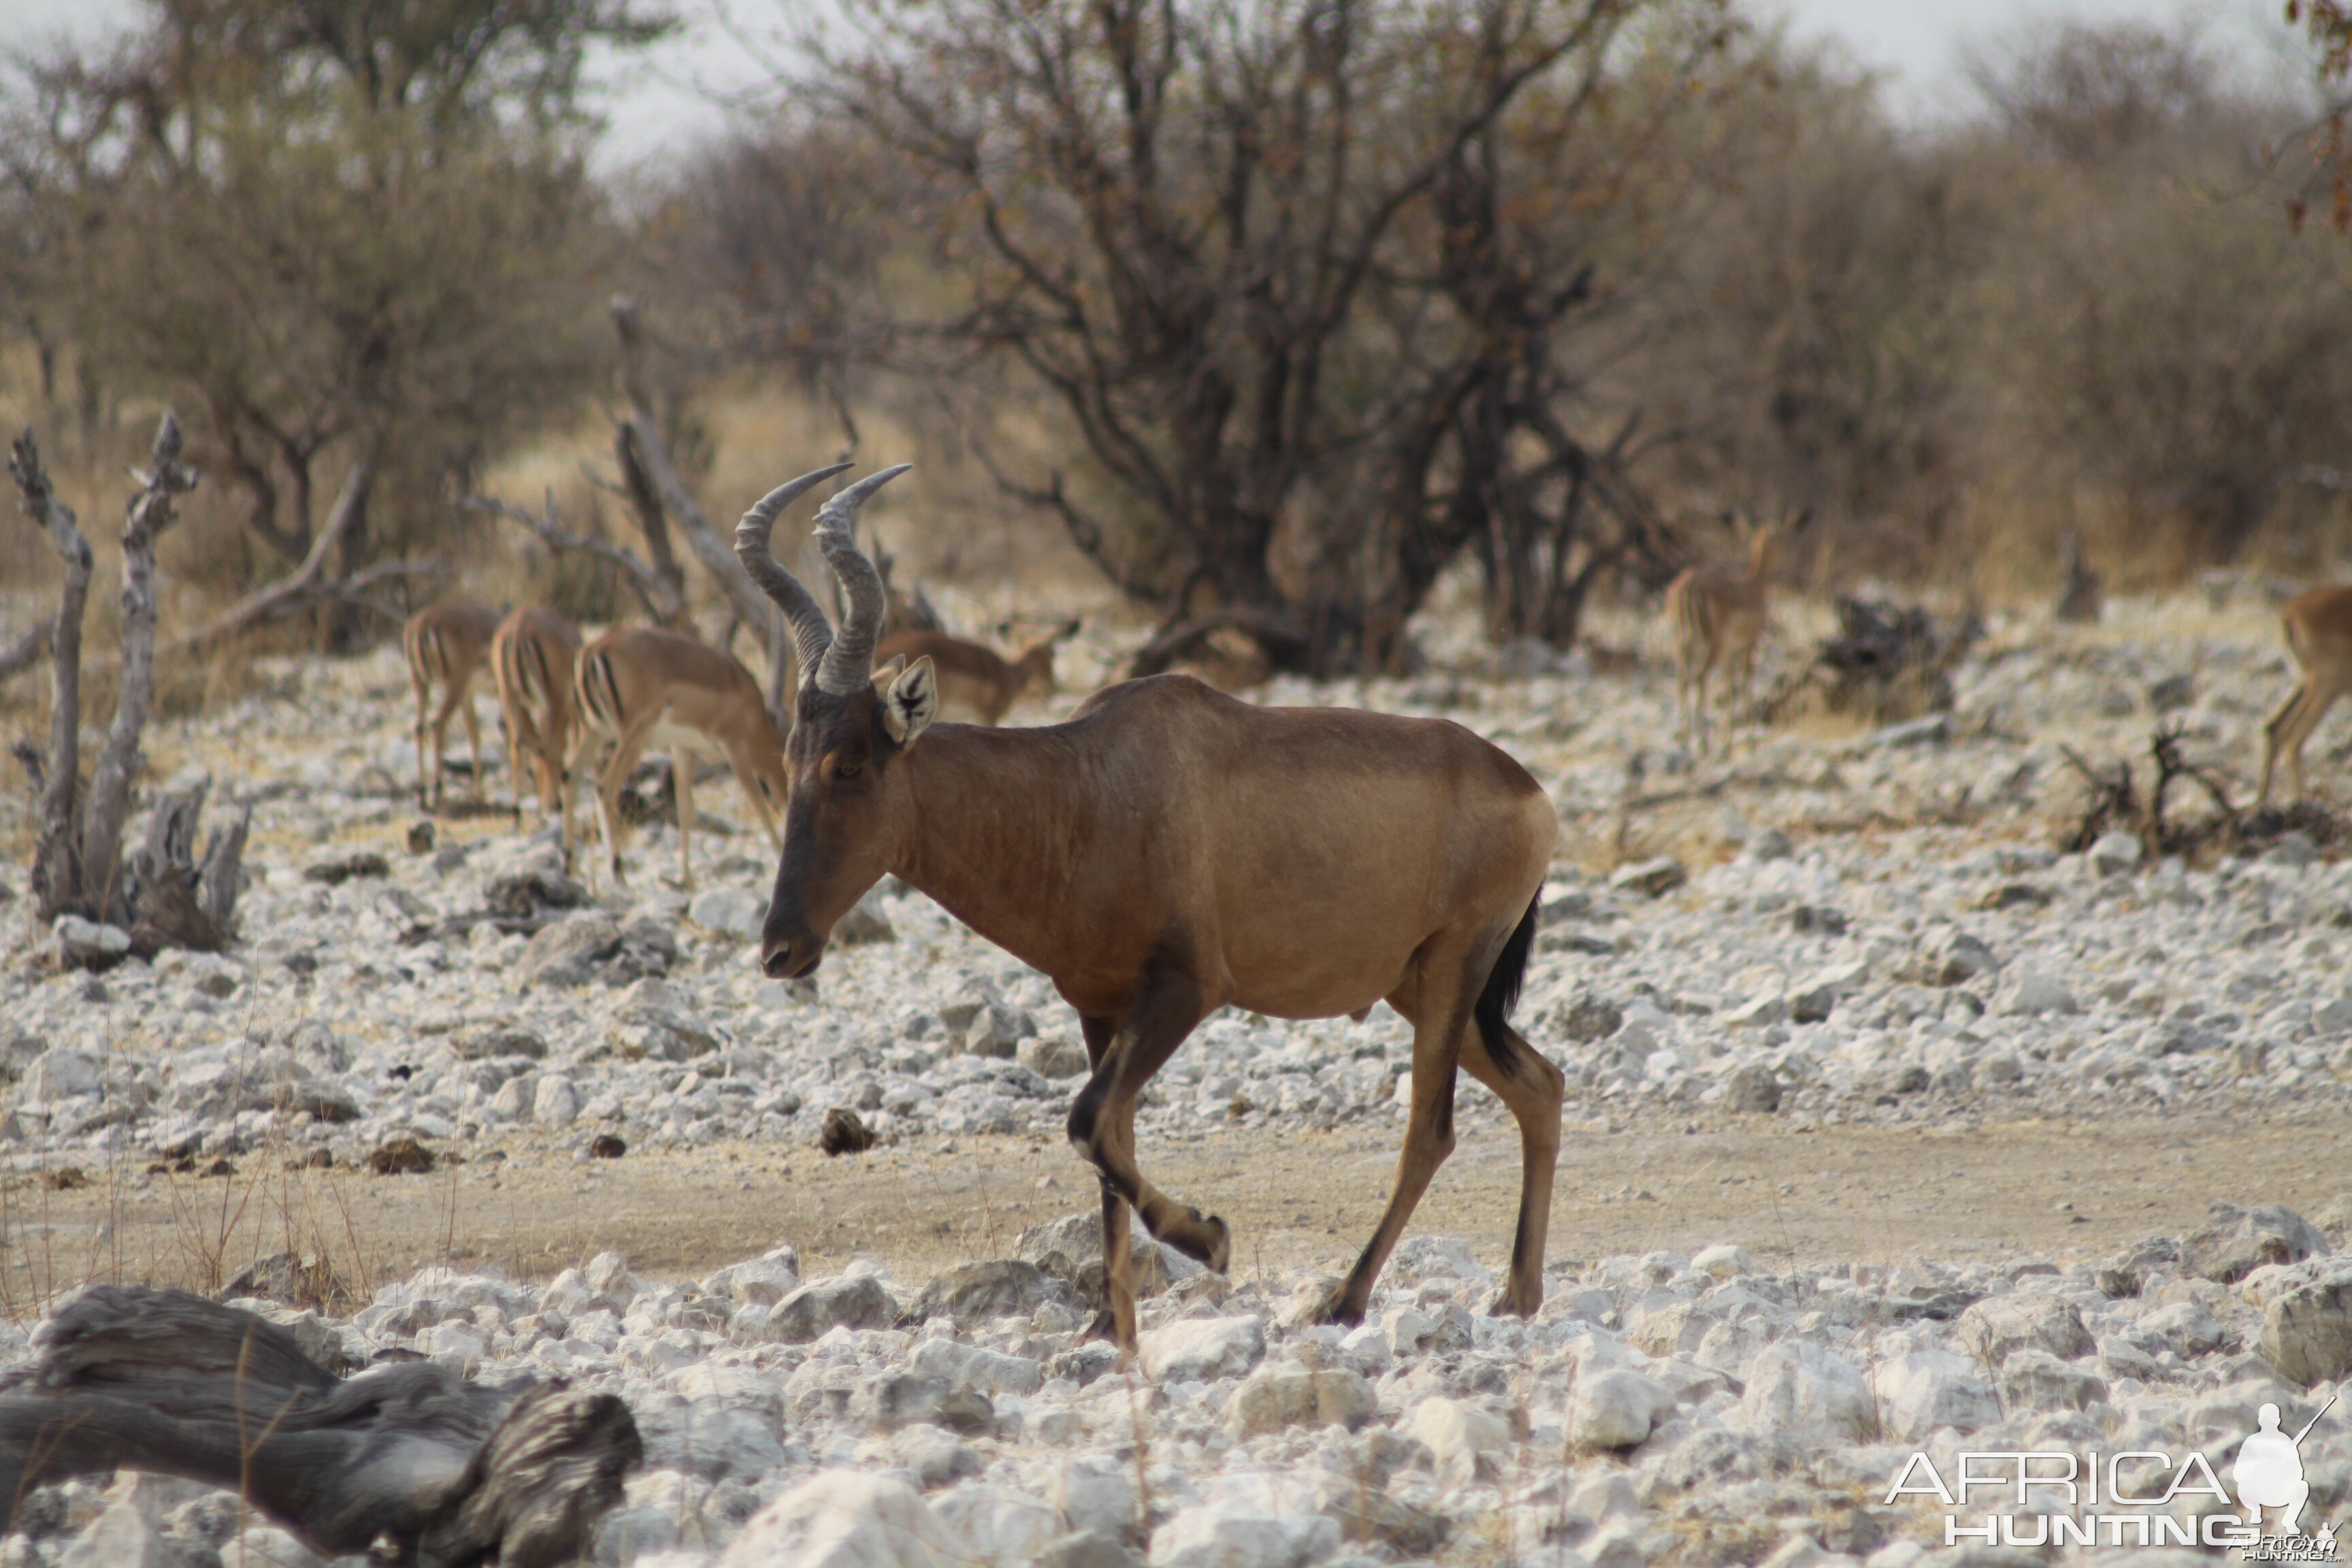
(25, 651)
(182, 901)
(56, 870)
(151, 511)
(664, 603)
(303, 587)
(452, 1473)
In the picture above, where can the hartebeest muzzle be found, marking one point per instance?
(788, 950)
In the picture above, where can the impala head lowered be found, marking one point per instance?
(841, 827)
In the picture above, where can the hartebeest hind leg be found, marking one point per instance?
(1533, 1088)
(1102, 1126)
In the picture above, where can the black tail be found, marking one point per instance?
(1493, 1008)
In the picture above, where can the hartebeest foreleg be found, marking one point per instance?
(1102, 1126)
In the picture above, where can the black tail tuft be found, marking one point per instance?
(1493, 1008)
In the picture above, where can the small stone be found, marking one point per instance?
(1752, 1088)
(1272, 1398)
(845, 1518)
(87, 944)
(2234, 1242)
(1770, 844)
(421, 836)
(997, 1030)
(730, 911)
(1200, 1350)
(2307, 1329)
(606, 1146)
(120, 1537)
(2032, 992)
(2035, 1379)
(1723, 1261)
(2172, 693)
(1654, 878)
(1615, 1408)
(1997, 1326)
(842, 1132)
(847, 1300)
(973, 1294)
(1052, 1057)
(1086, 1549)
(1811, 1394)
(1467, 1441)
(2115, 854)
(400, 1157)
(1924, 1390)
(1590, 1018)
(864, 925)
(555, 1102)
(347, 867)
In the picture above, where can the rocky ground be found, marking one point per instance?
(1853, 950)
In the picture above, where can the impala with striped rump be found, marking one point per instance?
(1169, 851)
(532, 656)
(1718, 613)
(446, 646)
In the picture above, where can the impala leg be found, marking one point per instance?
(681, 775)
(1701, 670)
(1439, 1023)
(473, 736)
(1102, 1126)
(452, 696)
(1532, 1088)
(424, 709)
(2283, 734)
(522, 736)
(627, 747)
(748, 782)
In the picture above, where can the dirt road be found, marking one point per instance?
(2059, 1189)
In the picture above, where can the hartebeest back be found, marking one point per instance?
(533, 656)
(974, 679)
(1169, 851)
(446, 646)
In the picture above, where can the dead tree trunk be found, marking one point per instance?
(57, 873)
(453, 1473)
(169, 898)
(151, 513)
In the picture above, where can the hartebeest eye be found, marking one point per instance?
(845, 770)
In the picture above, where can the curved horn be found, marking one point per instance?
(849, 662)
(810, 636)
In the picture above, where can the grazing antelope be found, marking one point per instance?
(2319, 634)
(643, 686)
(1169, 851)
(972, 679)
(446, 644)
(533, 656)
(1718, 613)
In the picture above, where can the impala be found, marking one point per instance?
(446, 644)
(643, 686)
(1718, 613)
(533, 656)
(1169, 851)
(973, 680)
(2319, 634)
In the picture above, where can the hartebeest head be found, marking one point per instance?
(840, 827)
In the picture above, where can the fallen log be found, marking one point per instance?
(447, 1472)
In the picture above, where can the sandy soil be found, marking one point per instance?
(2058, 1189)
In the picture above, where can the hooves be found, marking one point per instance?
(1337, 1308)
(1221, 1245)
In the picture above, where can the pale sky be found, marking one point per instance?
(1919, 46)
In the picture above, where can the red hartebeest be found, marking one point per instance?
(446, 644)
(974, 679)
(1169, 851)
(2319, 634)
(533, 656)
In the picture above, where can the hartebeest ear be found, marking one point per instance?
(912, 702)
(886, 674)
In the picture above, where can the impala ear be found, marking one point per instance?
(912, 702)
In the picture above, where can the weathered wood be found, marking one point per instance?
(25, 651)
(57, 870)
(449, 1473)
(663, 602)
(305, 586)
(150, 511)
(179, 901)
(2080, 599)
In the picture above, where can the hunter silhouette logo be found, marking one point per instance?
(2269, 1471)
(2137, 1498)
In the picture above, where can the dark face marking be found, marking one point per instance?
(838, 828)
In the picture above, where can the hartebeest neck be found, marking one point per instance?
(999, 815)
